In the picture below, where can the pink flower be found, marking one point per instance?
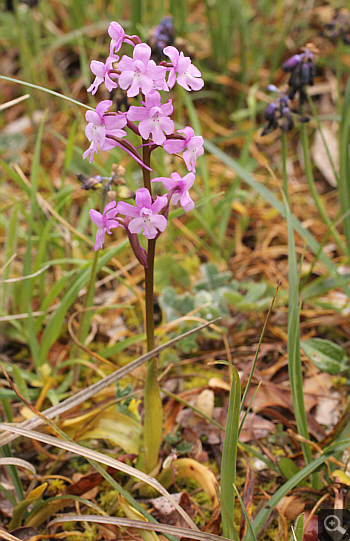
(154, 118)
(102, 72)
(100, 125)
(188, 76)
(140, 72)
(116, 32)
(145, 215)
(194, 144)
(194, 149)
(181, 186)
(105, 222)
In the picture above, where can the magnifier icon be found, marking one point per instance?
(332, 524)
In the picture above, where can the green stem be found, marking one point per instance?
(153, 421)
(284, 164)
(312, 187)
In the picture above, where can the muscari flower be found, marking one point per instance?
(183, 71)
(154, 118)
(100, 125)
(278, 114)
(103, 74)
(145, 215)
(181, 187)
(105, 222)
(140, 73)
(162, 35)
(193, 143)
(302, 72)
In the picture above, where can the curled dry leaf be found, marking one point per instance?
(184, 468)
(110, 425)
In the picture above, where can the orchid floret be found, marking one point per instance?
(183, 71)
(193, 143)
(105, 222)
(103, 74)
(181, 187)
(140, 73)
(145, 215)
(154, 118)
(100, 125)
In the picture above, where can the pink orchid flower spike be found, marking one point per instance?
(181, 187)
(145, 215)
(105, 222)
(183, 71)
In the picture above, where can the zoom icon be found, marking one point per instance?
(334, 525)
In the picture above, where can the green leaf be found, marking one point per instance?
(229, 459)
(326, 355)
(20, 508)
(299, 528)
(287, 467)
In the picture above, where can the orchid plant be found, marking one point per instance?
(144, 80)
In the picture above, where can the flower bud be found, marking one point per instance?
(291, 63)
(270, 111)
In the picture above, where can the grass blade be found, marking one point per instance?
(229, 459)
(293, 346)
(129, 523)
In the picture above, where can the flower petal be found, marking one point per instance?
(109, 206)
(142, 52)
(100, 238)
(98, 68)
(173, 146)
(186, 202)
(172, 53)
(96, 217)
(159, 203)
(143, 198)
(127, 209)
(103, 106)
(160, 222)
(136, 225)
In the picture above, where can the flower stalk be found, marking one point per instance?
(153, 420)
